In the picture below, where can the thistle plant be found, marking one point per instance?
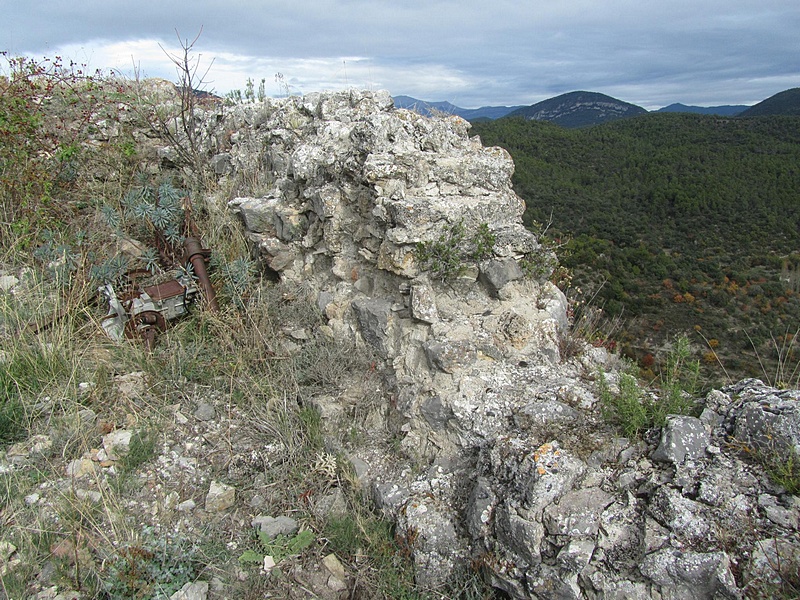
(152, 212)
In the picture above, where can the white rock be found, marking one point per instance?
(7, 282)
(220, 497)
(84, 387)
(269, 563)
(171, 500)
(334, 566)
(80, 468)
(197, 590)
(186, 506)
(117, 443)
(90, 495)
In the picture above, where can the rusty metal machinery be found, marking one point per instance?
(143, 312)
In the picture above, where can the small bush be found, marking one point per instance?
(38, 154)
(151, 211)
(151, 568)
(630, 408)
(784, 469)
(636, 409)
(142, 448)
(484, 243)
(236, 278)
(446, 258)
(443, 258)
(540, 265)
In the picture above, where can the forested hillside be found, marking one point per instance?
(688, 222)
(786, 102)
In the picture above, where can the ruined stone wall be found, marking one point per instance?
(356, 186)
(510, 464)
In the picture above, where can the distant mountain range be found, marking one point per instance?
(470, 114)
(728, 110)
(580, 109)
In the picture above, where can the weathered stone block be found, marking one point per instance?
(497, 273)
(373, 320)
(690, 575)
(450, 356)
(435, 412)
(272, 527)
(682, 439)
(423, 303)
(117, 443)
(220, 497)
(520, 535)
(577, 513)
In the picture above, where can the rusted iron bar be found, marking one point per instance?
(197, 256)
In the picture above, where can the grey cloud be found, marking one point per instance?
(470, 52)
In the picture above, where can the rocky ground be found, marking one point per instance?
(452, 440)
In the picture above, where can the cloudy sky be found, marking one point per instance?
(470, 52)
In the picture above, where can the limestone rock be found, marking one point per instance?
(523, 537)
(423, 304)
(7, 282)
(773, 561)
(429, 529)
(80, 468)
(373, 319)
(197, 590)
(768, 418)
(682, 438)
(332, 505)
(497, 273)
(690, 575)
(221, 164)
(435, 412)
(682, 515)
(204, 412)
(575, 556)
(258, 214)
(117, 443)
(480, 508)
(622, 532)
(390, 495)
(450, 356)
(219, 497)
(336, 569)
(275, 526)
(476, 383)
(577, 513)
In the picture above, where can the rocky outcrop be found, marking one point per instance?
(508, 463)
(357, 186)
